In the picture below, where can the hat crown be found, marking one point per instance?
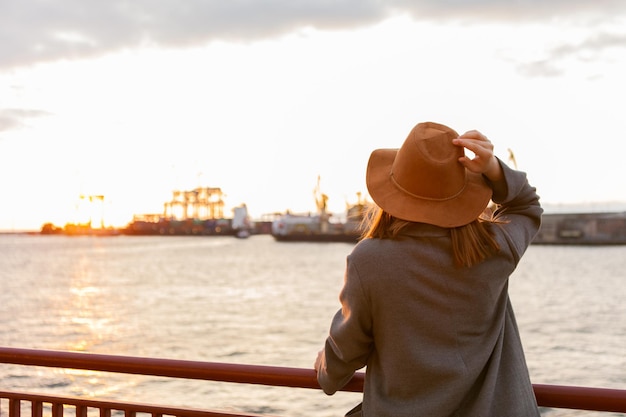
(427, 166)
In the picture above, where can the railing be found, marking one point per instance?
(553, 396)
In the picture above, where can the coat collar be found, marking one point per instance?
(424, 230)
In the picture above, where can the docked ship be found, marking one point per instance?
(585, 228)
(318, 227)
(322, 226)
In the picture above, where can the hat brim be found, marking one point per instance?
(458, 211)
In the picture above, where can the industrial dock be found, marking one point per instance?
(198, 212)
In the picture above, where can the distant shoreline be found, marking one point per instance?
(549, 208)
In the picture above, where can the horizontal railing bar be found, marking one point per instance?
(107, 406)
(582, 398)
(173, 368)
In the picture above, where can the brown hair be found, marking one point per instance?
(471, 243)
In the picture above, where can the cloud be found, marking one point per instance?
(540, 68)
(14, 118)
(591, 46)
(590, 50)
(34, 31)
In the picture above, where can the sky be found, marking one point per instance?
(132, 100)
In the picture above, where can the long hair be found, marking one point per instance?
(471, 243)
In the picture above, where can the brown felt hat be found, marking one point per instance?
(424, 182)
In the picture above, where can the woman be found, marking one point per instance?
(425, 302)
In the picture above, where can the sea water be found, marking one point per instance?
(260, 302)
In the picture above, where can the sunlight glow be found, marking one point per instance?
(263, 119)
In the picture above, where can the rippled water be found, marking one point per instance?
(256, 301)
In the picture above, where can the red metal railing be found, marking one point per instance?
(38, 405)
(582, 398)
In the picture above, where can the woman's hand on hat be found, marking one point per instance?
(484, 161)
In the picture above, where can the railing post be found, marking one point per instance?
(57, 410)
(14, 408)
(81, 411)
(37, 408)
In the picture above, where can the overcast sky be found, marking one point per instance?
(133, 99)
(39, 31)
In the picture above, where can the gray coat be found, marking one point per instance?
(437, 340)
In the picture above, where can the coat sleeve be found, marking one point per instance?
(350, 342)
(518, 210)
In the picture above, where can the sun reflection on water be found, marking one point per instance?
(98, 384)
(86, 313)
(89, 312)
